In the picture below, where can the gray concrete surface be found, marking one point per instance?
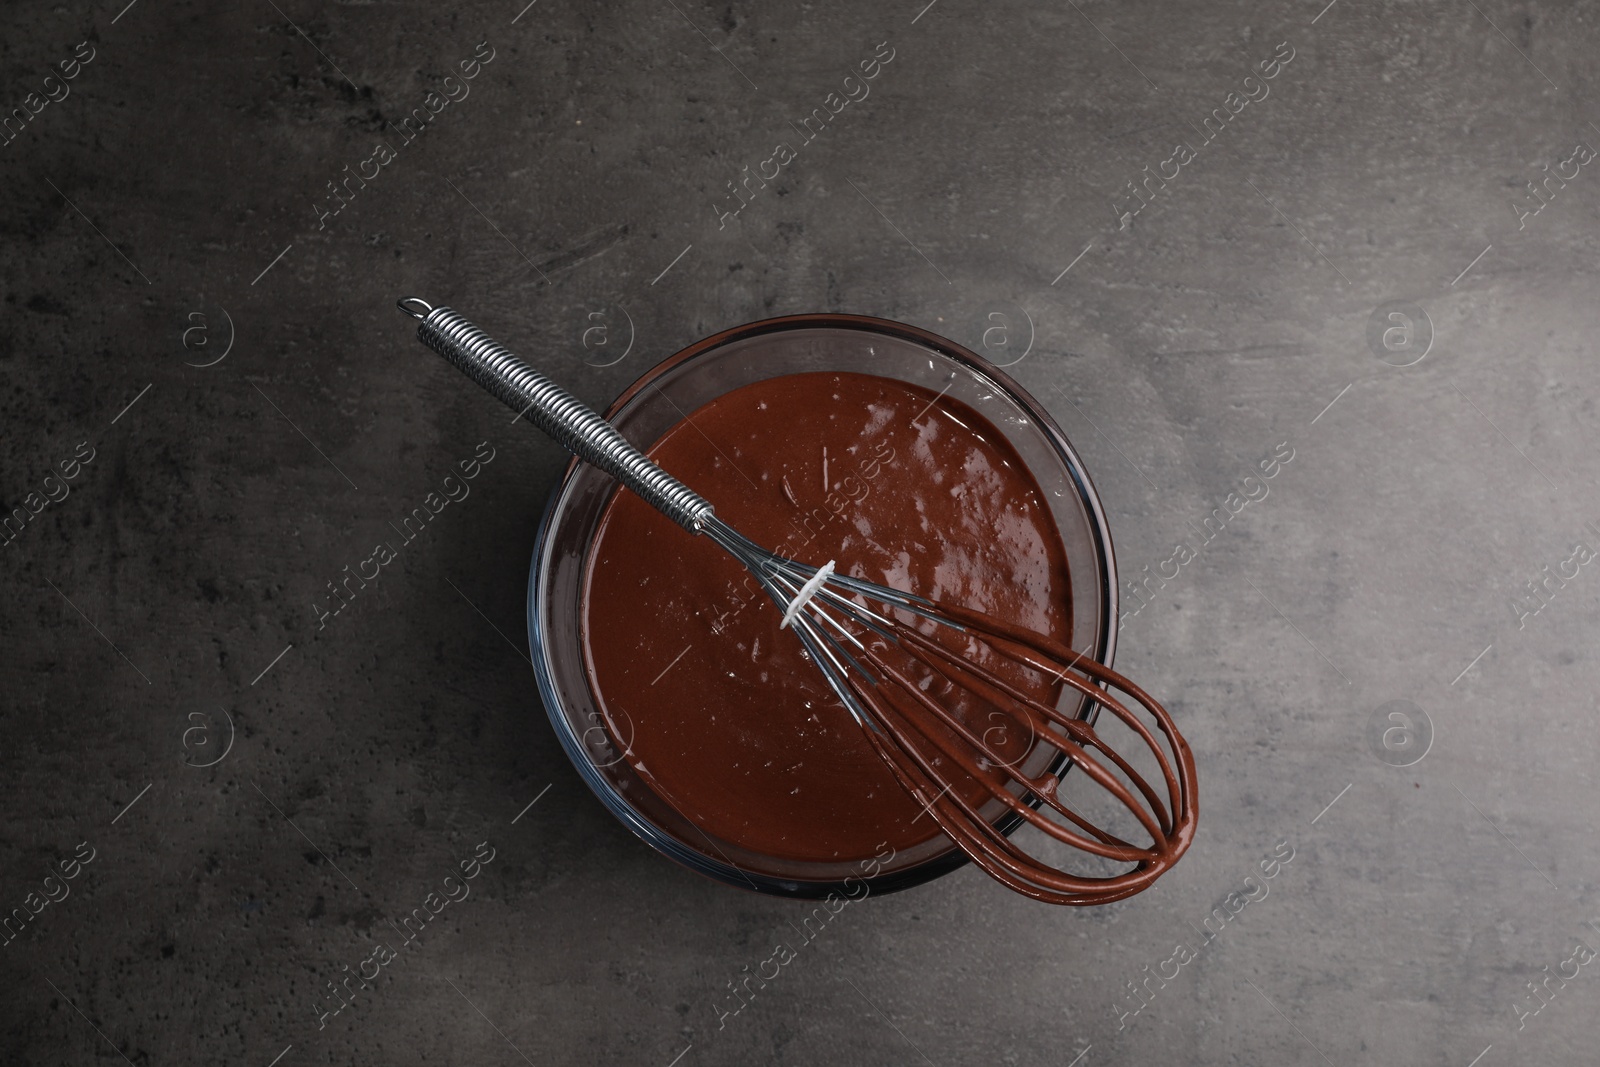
(168, 204)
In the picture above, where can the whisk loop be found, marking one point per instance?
(881, 652)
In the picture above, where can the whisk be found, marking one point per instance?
(904, 667)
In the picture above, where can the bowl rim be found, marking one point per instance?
(724, 872)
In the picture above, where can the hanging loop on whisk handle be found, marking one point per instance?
(557, 412)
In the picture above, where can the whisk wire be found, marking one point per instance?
(1075, 729)
(1042, 789)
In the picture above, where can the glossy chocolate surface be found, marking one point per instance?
(717, 709)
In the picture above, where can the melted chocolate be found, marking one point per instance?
(716, 707)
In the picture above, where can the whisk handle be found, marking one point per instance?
(557, 412)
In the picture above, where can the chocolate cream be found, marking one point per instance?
(716, 708)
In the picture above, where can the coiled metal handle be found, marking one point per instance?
(555, 411)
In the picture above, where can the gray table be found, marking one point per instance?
(204, 241)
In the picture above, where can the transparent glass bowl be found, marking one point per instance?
(647, 409)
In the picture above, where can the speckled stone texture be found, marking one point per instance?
(211, 409)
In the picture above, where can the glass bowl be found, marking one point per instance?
(647, 409)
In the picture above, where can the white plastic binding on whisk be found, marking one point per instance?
(807, 591)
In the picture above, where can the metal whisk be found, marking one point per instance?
(903, 665)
